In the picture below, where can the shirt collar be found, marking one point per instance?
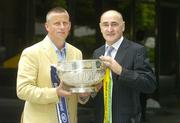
(116, 45)
(56, 49)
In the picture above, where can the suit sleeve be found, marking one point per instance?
(28, 84)
(140, 76)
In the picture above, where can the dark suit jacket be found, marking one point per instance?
(137, 76)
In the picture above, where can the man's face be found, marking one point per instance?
(112, 27)
(58, 26)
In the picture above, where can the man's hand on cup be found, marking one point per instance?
(112, 64)
(61, 91)
(99, 86)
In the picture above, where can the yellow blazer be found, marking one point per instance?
(34, 83)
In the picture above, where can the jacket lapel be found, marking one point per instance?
(69, 54)
(49, 51)
(122, 51)
(100, 52)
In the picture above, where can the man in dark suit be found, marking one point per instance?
(130, 71)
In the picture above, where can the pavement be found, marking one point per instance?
(169, 111)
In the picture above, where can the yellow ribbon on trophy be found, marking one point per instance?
(107, 89)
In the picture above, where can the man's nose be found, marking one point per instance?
(109, 28)
(61, 25)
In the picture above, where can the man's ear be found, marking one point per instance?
(123, 26)
(100, 26)
(69, 26)
(46, 26)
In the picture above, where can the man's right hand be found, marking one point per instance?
(61, 91)
(99, 86)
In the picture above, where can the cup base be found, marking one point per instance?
(82, 90)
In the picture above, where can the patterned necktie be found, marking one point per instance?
(109, 50)
(107, 89)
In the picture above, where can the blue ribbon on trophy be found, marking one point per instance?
(61, 107)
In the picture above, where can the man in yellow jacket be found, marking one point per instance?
(34, 83)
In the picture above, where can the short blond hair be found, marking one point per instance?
(55, 10)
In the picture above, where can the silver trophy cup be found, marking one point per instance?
(81, 75)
